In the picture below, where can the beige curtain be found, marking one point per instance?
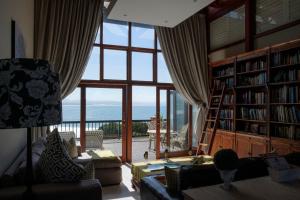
(185, 51)
(64, 33)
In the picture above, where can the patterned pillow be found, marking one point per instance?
(172, 179)
(71, 147)
(55, 163)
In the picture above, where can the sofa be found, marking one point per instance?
(12, 184)
(153, 187)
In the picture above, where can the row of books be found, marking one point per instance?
(252, 113)
(291, 57)
(250, 97)
(228, 99)
(224, 72)
(252, 65)
(285, 114)
(285, 94)
(226, 124)
(229, 82)
(290, 132)
(286, 75)
(253, 128)
(226, 113)
(253, 80)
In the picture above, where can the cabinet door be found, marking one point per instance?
(217, 144)
(258, 147)
(282, 148)
(228, 141)
(243, 146)
(296, 148)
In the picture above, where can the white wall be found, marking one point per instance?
(22, 11)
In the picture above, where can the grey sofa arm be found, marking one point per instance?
(85, 189)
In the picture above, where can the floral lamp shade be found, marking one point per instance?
(29, 94)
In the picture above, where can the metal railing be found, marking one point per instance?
(111, 128)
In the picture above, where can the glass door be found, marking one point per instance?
(104, 120)
(173, 130)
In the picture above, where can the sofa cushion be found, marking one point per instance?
(104, 159)
(56, 165)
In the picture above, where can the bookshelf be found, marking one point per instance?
(263, 96)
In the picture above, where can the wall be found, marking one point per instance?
(22, 11)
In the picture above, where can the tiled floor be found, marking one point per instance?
(124, 191)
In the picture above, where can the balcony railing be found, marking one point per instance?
(111, 128)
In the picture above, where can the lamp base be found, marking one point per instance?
(28, 194)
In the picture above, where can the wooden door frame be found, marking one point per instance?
(124, 115)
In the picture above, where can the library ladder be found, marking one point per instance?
(215, 103)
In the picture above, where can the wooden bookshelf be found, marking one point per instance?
(263, 99)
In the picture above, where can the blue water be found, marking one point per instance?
(109, 112)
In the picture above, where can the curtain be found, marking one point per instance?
(64, 33)
(184, 48)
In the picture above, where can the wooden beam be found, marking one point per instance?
(129, 124)
(124, 125)
(190, 129)
(168, 119)
(82, 118)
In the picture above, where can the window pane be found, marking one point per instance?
(92, 69)
(273, 13)
(142, 66)
(114, 64)
(142, 36)
(97, 41)
(228, 29)
(114, 33)
(163, 75)
(158, 44)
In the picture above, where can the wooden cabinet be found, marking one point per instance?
(223, 140)
(280, 146)
(251, 146)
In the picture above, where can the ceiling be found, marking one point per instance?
(166, 13)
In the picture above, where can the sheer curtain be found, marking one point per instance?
(185, 50)
(64, 33)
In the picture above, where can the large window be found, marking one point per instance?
(115, 33)
(114, 64)
(142, 66)
(273, 13)
(142, 36)
(92, 70)
(228, 28)
(163, 72)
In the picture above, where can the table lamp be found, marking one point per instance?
(29, 97)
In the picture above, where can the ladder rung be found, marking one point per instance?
(216, 96)
(203, 144)
(214, 108)
(211, 120)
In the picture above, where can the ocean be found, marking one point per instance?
(109, 112)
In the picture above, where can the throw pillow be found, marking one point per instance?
(56, 165)
(71, 147)
(172, 179)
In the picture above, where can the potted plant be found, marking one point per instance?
(226, 162)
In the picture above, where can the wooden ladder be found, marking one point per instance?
(212, 108)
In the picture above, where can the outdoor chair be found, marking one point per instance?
(94, 139)
(179, 140)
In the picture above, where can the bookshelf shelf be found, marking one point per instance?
(265, 84)
(285, 83)
(287, 66)
(251, 72)
(287, 123)
(251, 120)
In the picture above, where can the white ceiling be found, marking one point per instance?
(167, 13)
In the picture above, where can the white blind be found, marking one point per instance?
(273, 13)
(228, 28)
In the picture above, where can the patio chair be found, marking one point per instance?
(94, 139)
(152, 134)
(67, 135)
(180, 139)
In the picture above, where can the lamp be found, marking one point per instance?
(29, 97)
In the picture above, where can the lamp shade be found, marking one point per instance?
(29, 94)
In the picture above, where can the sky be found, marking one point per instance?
(115, 66)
